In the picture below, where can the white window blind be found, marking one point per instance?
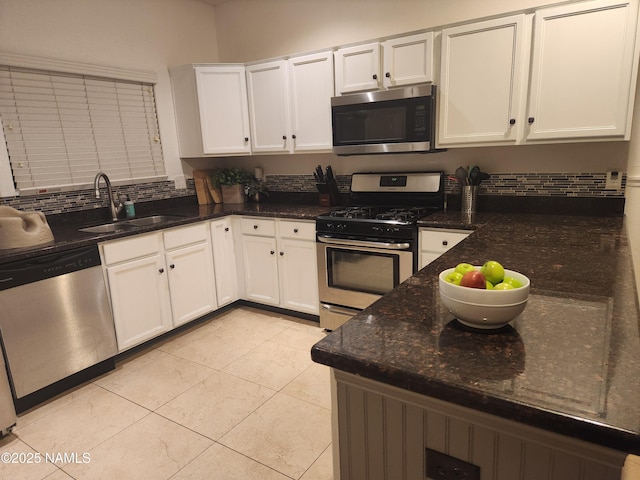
(61, 129)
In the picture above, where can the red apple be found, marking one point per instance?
(473, 279)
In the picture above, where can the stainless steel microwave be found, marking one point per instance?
(390, 121)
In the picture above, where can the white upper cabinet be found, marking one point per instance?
(210, 103)
(357, 69)
(405, 61)
(290, 104)
(267, 85)
(311, 83)
(583, 71)
(408, 60)
(481, 81)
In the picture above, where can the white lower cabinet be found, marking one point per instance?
(298, 266)
(436, 241)
(190, 270)
(224, 260)
(280, 263)
(159, 281)
(138, 287)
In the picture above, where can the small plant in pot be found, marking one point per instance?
(235, 184)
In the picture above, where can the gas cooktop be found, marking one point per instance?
(406, 215)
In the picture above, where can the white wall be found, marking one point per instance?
(138, 34)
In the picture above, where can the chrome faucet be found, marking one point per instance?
(114, 207)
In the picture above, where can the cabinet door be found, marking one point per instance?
(269, 107)
(140, 300)
(311, 83)
(261, 269)
(435, 242)
(481, 79)
(582, 70)
(299, 275)
(191, 282)
(357, 68)
(224, 261)
(224, 115)
(408, 60)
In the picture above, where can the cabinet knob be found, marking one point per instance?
(226, 229)
(512, 121)
(272, 252)
(445, 243)
(281, 254)
(255, 227)
(172, 266)
(161, 270)
(284, 137)
(375, 77)
(531, 120)
(293, 136)
(295, 230)
(388, 75)
(246, 139)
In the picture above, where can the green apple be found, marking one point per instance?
(492, 271)
(512, 281)
(489, 285)
(503, 286)
(453, 277)
(464, 268)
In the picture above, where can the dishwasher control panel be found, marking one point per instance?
(51, 265)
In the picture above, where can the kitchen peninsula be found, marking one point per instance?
(552, 395)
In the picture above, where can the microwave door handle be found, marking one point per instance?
(363, 243)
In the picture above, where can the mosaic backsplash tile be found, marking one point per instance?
(73, 201)
(508, 184)
(519, 184)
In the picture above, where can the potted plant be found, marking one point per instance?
(233, 183)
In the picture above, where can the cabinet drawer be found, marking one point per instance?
(258, 226)
(438, 240)
(297, 229)
(178, 237)
(130, 248)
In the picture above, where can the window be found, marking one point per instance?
(63, 128)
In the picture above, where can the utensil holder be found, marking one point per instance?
(469, 199)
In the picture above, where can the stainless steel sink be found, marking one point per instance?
(128, 225)
(152, 220)
(109, 228)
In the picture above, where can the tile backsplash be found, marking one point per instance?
(73, 201)
(516, 184)
(507, 184)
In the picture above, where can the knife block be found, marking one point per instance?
(325, 199)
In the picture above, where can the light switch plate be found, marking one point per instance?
(614, 180)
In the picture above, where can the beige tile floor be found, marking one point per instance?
(236, 397)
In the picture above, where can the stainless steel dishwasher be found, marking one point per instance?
(56, 323)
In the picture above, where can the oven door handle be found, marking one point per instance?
(340, 310)
(363, 243)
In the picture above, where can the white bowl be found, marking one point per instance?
(480, 308)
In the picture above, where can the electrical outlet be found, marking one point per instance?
(614, 180)
(445, 467)
(180, 182)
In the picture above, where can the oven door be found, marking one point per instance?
(353, 274)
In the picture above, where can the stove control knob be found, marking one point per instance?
(340, 227)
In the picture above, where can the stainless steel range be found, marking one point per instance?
(367, 249)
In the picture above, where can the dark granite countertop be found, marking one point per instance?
(569, 364)
(67, 236)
